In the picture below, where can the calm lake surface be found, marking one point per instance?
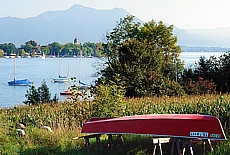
(37, 70)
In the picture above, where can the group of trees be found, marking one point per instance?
(209, 74)
(144, 60)
(32, 48)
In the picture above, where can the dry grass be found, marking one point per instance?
(66, 119)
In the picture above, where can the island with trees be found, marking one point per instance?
(32, 49)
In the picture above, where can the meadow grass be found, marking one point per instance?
(67, 118)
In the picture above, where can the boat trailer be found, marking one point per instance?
(178, 145)
(181, 130)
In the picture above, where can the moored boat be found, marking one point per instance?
(192, 126)
(66, 92)
(21, 82)
(61, 79)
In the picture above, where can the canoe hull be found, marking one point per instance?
(171, 125)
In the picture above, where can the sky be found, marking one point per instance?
(185, 14)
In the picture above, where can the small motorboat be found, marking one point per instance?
(61, 79)
(66, 92)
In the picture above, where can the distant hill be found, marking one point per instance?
(217, 36)
(87, 24)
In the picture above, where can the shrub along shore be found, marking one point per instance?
(66, 119)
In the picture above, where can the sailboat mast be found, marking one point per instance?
(68, 73)
(80, 67)
(14, 68)
(59, 68)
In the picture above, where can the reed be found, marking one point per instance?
(66, 119)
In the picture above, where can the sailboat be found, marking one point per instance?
(21, 82)
(75, 87)
(81, 84)
(43, 55)
(71, 89)
(60, 78)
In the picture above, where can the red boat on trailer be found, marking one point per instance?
(193, 126)
(181, 129)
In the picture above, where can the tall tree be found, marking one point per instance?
(67, 49)
(41, 95)
(1, 53)
(45, 49)
(207, 74)
(31, 47)
(8, 48)
(144, 57)
(55, 48)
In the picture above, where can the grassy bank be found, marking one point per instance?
(66, 119)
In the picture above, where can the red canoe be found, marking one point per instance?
(171, 125)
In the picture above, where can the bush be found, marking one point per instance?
(222, 149)
(108, 100)
(40, 95)
(199, 87)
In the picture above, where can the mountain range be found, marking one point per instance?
(91, 25)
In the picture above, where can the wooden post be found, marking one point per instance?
(110, 137)
(207, 142)
(178, 147)
(210, 144)
(122, 139)
(186, 145)
(172, 149)
(154, 149)
(157, 144)
(87, 144)
(190, 148)
(97, 140)
(183, 150)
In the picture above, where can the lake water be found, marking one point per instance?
(191, 57)
(37, 70)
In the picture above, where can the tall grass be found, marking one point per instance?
(67, 118)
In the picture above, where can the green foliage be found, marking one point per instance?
(66, 119)
(206, 74)
(166, 87)
(142, 55)
(55, 48)
(199, 87)
(31, 47)
(1, 53)
(8, 48)
(108, 100)
(32, 96)
(222, 149)
(40, 95)
(224, 72)
(44, 93)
